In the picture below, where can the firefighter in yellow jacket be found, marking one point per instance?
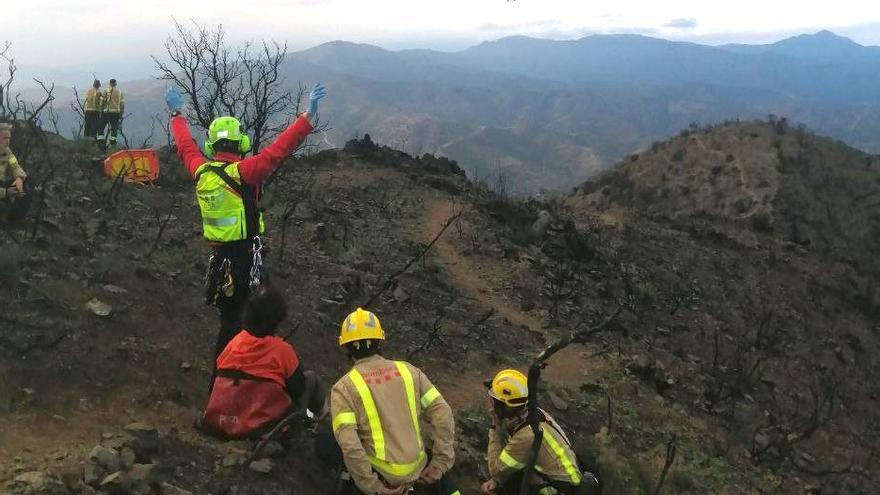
(376, 409)
(113, 104)
(510, 446)
(15, 191)
(92, 111)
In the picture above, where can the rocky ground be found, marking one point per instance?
(751, 359)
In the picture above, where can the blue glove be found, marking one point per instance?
(173, 99)
(317, 93)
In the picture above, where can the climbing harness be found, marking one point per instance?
(256, 276)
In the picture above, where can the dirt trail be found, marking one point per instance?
(465, 275)
(568, 367)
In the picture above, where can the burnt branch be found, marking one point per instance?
(434, 330)
(577, 336)
(78, 107)
(389, 281)
(218, 79)
(670, 458)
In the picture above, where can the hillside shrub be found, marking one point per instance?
(678, 155)
(761, 221)
(621, 475)
(10, 265)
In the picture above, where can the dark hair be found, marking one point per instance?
(505, 411)
(227, 146)
(113, 82)
(360, 349)
(96, 84)
(264, 311)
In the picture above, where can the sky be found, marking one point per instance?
(101, 36)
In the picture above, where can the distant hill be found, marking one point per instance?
(552, 113)
(804, 189)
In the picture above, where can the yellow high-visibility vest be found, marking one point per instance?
(224, 218)
(377, 458)
(113, 100)
(92, 102)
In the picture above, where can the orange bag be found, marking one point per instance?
(133, 165)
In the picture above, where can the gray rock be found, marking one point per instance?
(35, 483)
(169, 489)
(539, 227)
(145, 440)
(141, 488)
(116, 484)
(232, 459)
(72, 479)
(98, 307)
(148, 473)
(117, 443)
(558, 402)
(93, 474)
(128, 457)
(114, 289)
(272, 449)
(107, 458)
(400, 295)
(261, 466)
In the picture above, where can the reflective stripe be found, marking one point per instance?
(220, 222)
(429, 397)
(372, 413)
(559, 451)
(411, 399)
(509, 461)
(345, 418)
(400, 470)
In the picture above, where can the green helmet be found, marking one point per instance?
(228, 128)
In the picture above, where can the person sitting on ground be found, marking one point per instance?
(510, 446)
(15, 192)
(259, 379)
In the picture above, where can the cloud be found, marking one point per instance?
(682, 23)
(491, 26)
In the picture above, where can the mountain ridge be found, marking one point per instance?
(601, 96)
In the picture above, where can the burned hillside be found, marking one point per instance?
(746, 348)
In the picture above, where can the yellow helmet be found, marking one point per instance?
(510, 387)
(360, 325)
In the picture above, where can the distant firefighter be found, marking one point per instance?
(92, 111)
(15, 192)
(113, 104)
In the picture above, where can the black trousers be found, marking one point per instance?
(111, 119)
(91, 124)
(17, 208)
(230, 263)
(330, 455)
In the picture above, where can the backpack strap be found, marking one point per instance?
(238, 375)
(248, 196)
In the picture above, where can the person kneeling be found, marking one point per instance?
(510, 446)
(259, 379)
(15, 191)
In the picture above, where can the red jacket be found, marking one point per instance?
(253, 169)
(250, 393)
(266, 357)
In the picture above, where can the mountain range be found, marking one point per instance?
(546, 114)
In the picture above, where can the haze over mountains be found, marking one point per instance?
(549, 113)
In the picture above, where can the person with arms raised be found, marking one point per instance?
(228, 190)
